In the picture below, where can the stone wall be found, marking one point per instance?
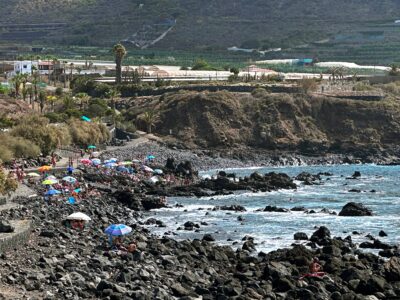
(10, 241)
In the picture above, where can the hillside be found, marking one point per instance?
(292, 122)
(313, 27)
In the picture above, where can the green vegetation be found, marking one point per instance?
(8, 183)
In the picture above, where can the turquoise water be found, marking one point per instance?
(275, 230)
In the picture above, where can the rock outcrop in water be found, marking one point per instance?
(353, 209)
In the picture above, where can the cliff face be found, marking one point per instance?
(279, 121)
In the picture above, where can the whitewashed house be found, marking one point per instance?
(24, 67)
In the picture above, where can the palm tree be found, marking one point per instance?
(119, 52)
(150, 117)
(17, 80)
(52, 100)
(42, 99)
(84, 99)
(112, 93)
(29, 90)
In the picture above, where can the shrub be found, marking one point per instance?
(38, 130)
(56, 117)
(8, 183)
(308, 85)
(86, 133)
(5, 154)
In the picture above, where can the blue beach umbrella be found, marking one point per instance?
(77, 190)
(150, 157)
(52, 192)
(91, 147)
(96, 161)
(122, 169)
(117, 229)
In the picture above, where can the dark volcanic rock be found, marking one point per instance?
(321, 236)
(270, 208)
(6, 227)
(300, 236)
(353, 209)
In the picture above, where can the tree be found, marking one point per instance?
(112, 93)
(119, 52)
(83, 99)
(150, 117)
(201, 64)
(234, 70)
(394, 70)
(308, 85)
(52, 99)
(17, 81)
(42, 99)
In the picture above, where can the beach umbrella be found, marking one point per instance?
(92, 147)
(135, 160)
(95, 154)
(44, 168)
(78, 216)
(77, 190)
(147, 169)
(117, 229)
(69, 179)
(32, 174)
(110, 165)
(86, 119)
(158, 171)
(86, 161)
(122, 169)
(52, 192)
(150, 157)
(125, 163)
(49, 182)
(154, 179)
(113, 159)
(51, 177)
(96, 161)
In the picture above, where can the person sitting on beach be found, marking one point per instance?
(315, 270)
(315, 267)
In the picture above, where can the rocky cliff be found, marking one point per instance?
(309, 124)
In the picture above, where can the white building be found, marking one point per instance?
(24, 67)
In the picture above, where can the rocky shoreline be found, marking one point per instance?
(247, 157)
(61, 263)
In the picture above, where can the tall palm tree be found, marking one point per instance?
(119, 52)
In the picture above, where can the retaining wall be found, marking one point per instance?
(18, 238)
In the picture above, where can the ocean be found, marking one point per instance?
(273, 230)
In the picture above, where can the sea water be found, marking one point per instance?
(273, 230)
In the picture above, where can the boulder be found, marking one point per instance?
(300, 236)
(321, 236)
(392, 269)
(5, 227)
(270, 208)
(353, 209)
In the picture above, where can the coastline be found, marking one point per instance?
(67, 263)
